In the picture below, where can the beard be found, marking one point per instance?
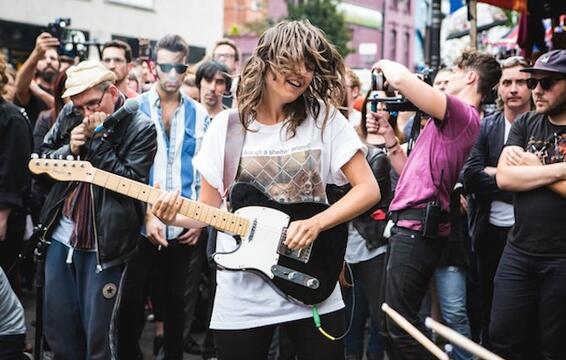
(558, 108)
(48, 74)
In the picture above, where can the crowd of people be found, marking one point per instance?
(451, 211)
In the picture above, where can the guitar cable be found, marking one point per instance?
(318, 322)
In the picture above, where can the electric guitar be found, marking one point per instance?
(259, 225)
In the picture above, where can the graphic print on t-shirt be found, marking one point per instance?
(549, 151)
(288, 177)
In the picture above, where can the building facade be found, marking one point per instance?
(379, 28)
(101, 20)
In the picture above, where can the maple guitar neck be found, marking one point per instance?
(219, 219)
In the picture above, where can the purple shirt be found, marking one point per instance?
(434, 165)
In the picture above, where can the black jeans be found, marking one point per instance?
(308, 342)
(526, 287)
(411, 262)
(174, 264)
(488, 250)
(12, 346)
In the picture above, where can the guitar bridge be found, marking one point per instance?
(303, 255)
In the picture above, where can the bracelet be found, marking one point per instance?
(392, 146)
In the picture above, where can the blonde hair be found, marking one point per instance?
(3, 75)
(284, 48)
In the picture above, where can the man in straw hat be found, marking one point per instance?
(93, 231)
(530, 282)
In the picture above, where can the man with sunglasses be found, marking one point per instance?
(167, 250)
(93, 231)
(493, 208)
(530, 283)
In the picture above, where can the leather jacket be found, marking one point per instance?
(127, 151)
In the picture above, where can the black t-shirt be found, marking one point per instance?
(540, 214)
(34, 107)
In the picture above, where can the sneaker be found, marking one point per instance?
(192, 347)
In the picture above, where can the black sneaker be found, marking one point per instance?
(192, 347)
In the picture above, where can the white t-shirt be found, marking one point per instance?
(501, 213)
(289, 170)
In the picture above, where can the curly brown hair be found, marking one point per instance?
(284, 48)
(3, 75)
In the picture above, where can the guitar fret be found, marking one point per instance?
(153, 195)
(100, 178)
(123, 186)
(112, 183)
(135, 190)
(184, 206)
(144, 194)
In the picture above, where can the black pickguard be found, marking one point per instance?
(327, 255)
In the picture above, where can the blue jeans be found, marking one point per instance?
(451, 290)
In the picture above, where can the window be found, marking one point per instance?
(393, 44)
(407, 52)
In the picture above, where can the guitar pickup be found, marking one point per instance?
(295, 276)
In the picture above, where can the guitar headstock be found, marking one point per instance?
(62, 170)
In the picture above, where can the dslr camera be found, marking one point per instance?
(57, 28)
(393, 101)
(73, 43)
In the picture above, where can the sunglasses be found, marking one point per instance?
(179, 68)
(545, 83)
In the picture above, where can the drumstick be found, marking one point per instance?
(414, 332)
(460, 340)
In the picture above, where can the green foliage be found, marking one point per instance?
(234, 30)
(323, 14)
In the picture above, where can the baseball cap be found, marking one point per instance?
(86, 75)
(553, 61)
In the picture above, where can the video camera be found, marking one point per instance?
(392, 101)
(73, 43)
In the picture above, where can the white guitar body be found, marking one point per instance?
(259, 249)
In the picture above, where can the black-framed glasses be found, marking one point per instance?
(91, 105)
(179, 68)
(545, 83)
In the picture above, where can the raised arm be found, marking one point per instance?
(431, 101)
(26, 73)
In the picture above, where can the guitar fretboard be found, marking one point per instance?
(221, 220)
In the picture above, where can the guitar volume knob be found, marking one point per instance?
(313, 283)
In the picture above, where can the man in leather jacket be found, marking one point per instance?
(93, 231)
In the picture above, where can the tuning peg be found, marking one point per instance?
(44, 156)
(70, 157)
(34, 156)
(52, 156)
(78, 158)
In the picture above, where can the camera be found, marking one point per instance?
(72, 43)
(58, 27)
(392, 101)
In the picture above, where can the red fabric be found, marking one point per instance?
(517, 5)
